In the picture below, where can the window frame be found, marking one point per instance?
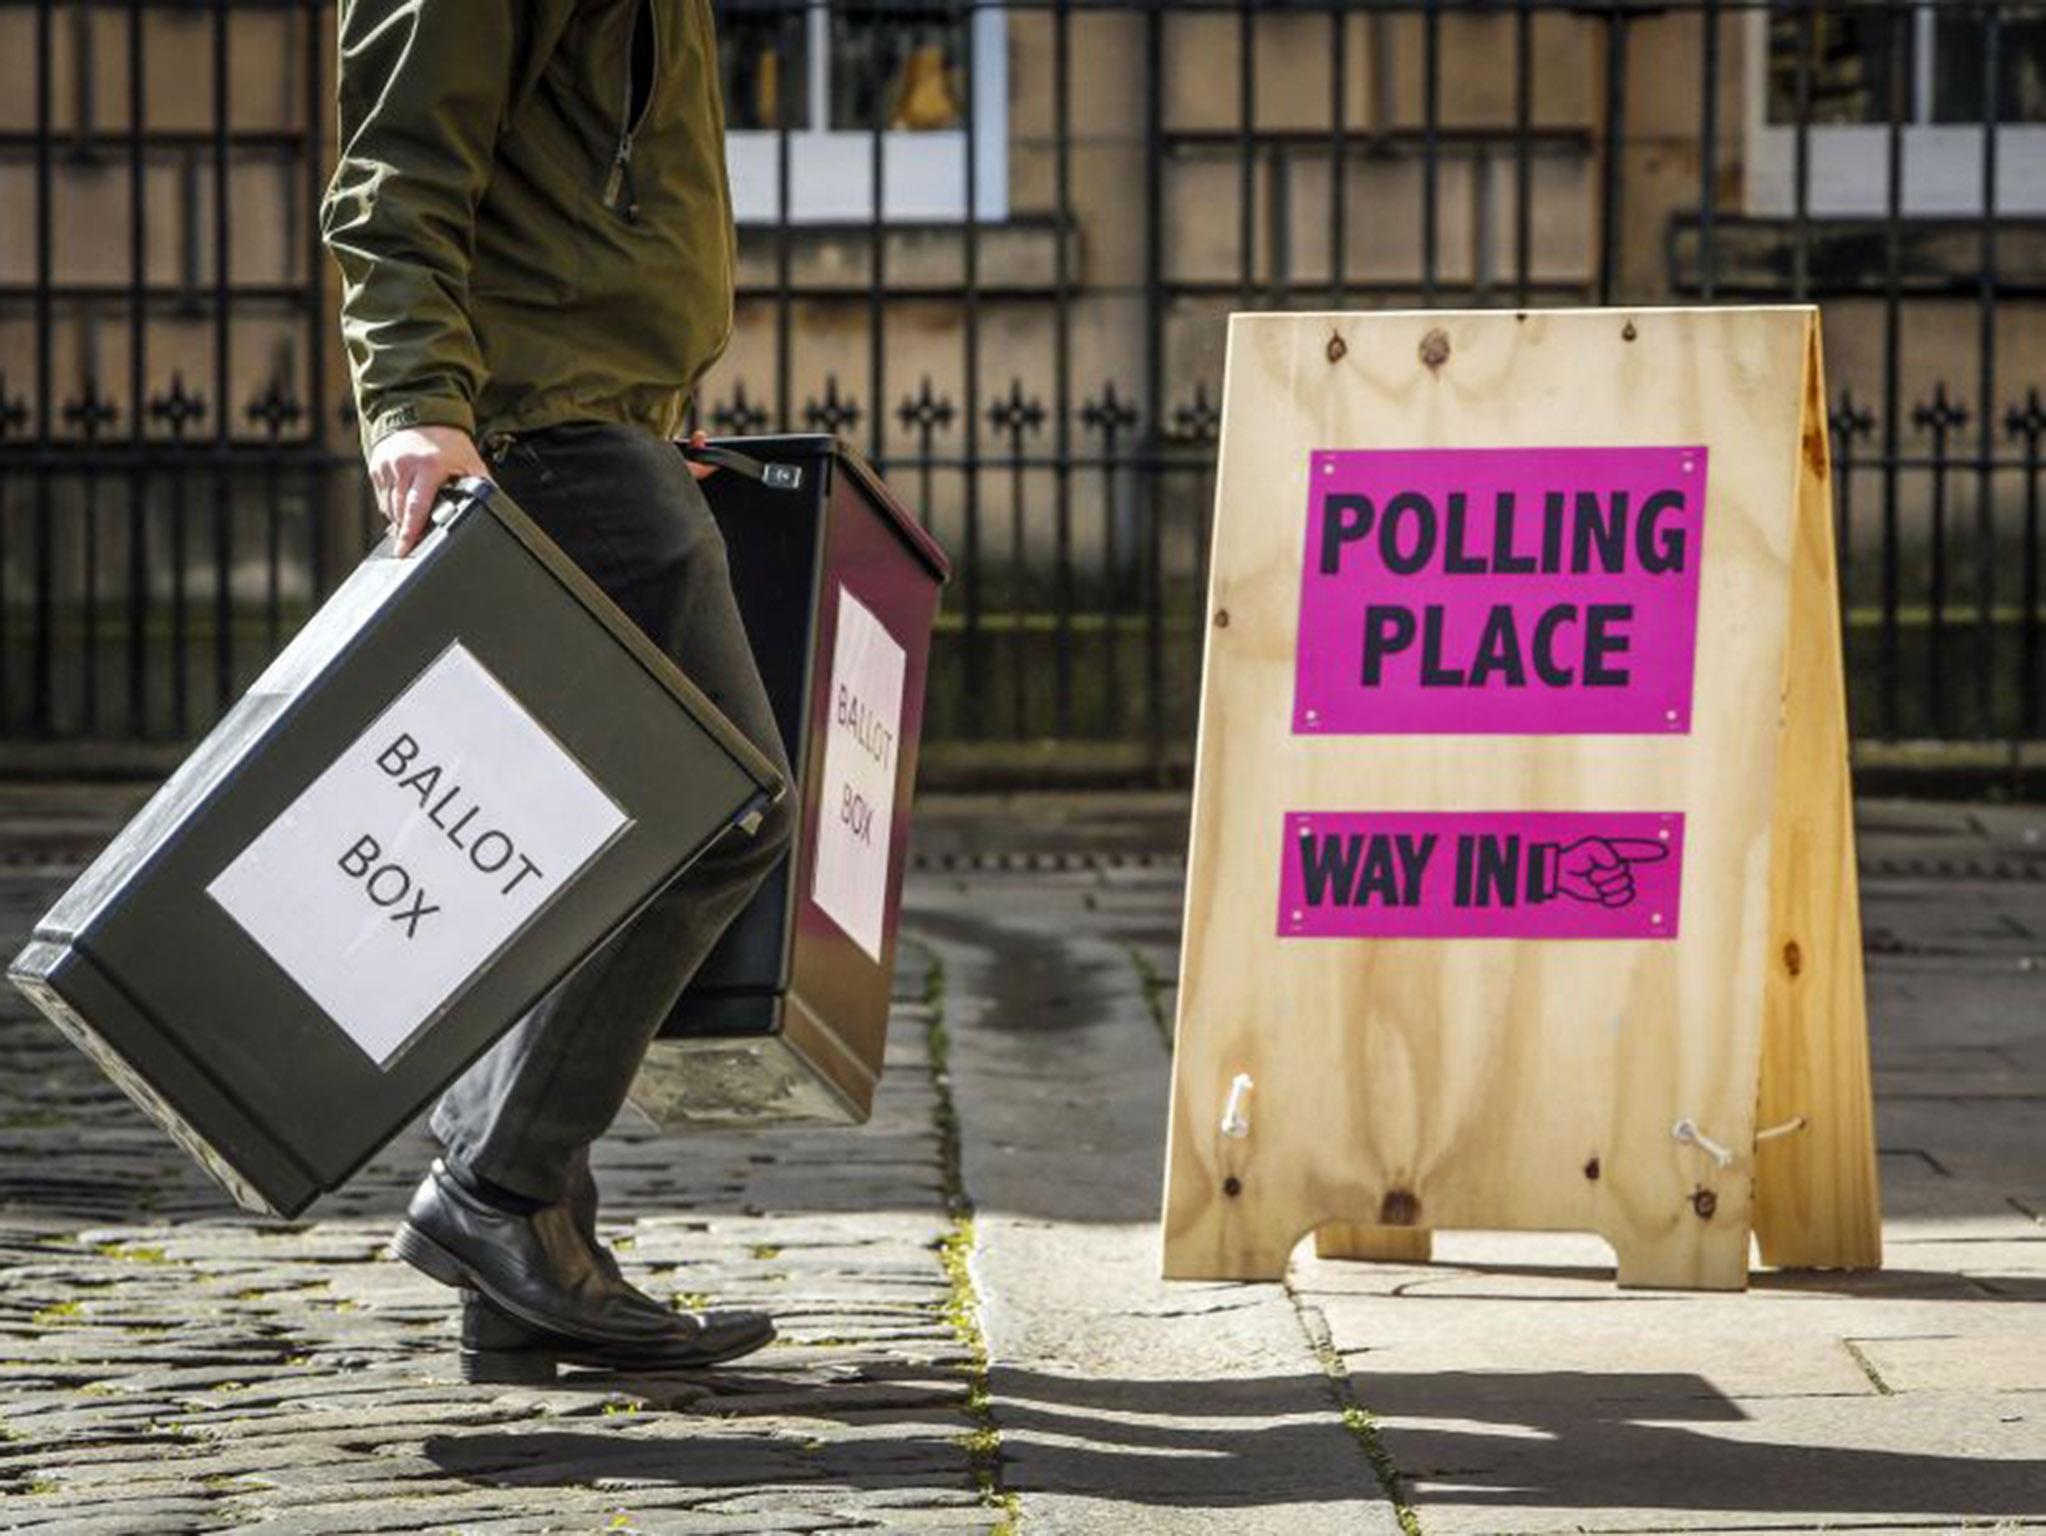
(830, 170)
(1849, 163)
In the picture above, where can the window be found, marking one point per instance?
(829, 72)
(1960, 78)
(1926, 65)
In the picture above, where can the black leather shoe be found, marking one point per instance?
(497, 1347)
(537, 1268)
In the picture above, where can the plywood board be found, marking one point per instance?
(1466, 1081)
(1816, 1201)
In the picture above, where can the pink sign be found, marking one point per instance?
(1481, 875)
(1500, 591)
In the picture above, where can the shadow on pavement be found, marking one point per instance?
(1577, 1440)
(1618, 1441)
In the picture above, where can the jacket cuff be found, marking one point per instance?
(417, 411)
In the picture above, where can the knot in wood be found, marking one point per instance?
(1704, 1202)
(1793, 958)
(1815, 451)
(1338, 348)
(1400, 1208)
(1435, 348)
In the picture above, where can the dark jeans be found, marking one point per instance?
(623, 505)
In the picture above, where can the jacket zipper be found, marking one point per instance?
(619, 192)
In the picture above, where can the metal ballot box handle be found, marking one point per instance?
(776, 477)
(459, 495)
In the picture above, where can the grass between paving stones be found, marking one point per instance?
(1357, 1419)
(1875, 1377)
(961, 1309)
(132, 1253)
(1155, 985)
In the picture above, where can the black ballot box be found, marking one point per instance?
(786, 1021)
(466, 771)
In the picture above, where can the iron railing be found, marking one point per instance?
(178, 484)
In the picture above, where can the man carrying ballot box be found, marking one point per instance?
(534, 232)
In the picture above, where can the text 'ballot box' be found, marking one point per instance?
(838, 586)
(465, 772)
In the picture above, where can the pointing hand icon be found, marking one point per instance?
(1600, 870)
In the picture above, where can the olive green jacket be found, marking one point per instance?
(532, 226)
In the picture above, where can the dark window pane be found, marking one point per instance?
(1958, 80)
(1858, 57)
(762, 58)
(902, 63)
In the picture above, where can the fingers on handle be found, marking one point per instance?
(415, 502)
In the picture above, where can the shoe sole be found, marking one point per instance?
(429, 1258)
(536, 1363)
(506, 1367)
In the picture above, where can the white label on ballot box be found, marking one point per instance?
(863, 733)
(418, 854)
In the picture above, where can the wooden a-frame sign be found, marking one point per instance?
(1521, 891)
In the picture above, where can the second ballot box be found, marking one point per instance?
(838, 586)
(465, 772)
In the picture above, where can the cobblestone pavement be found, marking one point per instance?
(974, 1334)
(169, 1365)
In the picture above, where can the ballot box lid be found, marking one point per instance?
(754, 763)
(825, 448)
